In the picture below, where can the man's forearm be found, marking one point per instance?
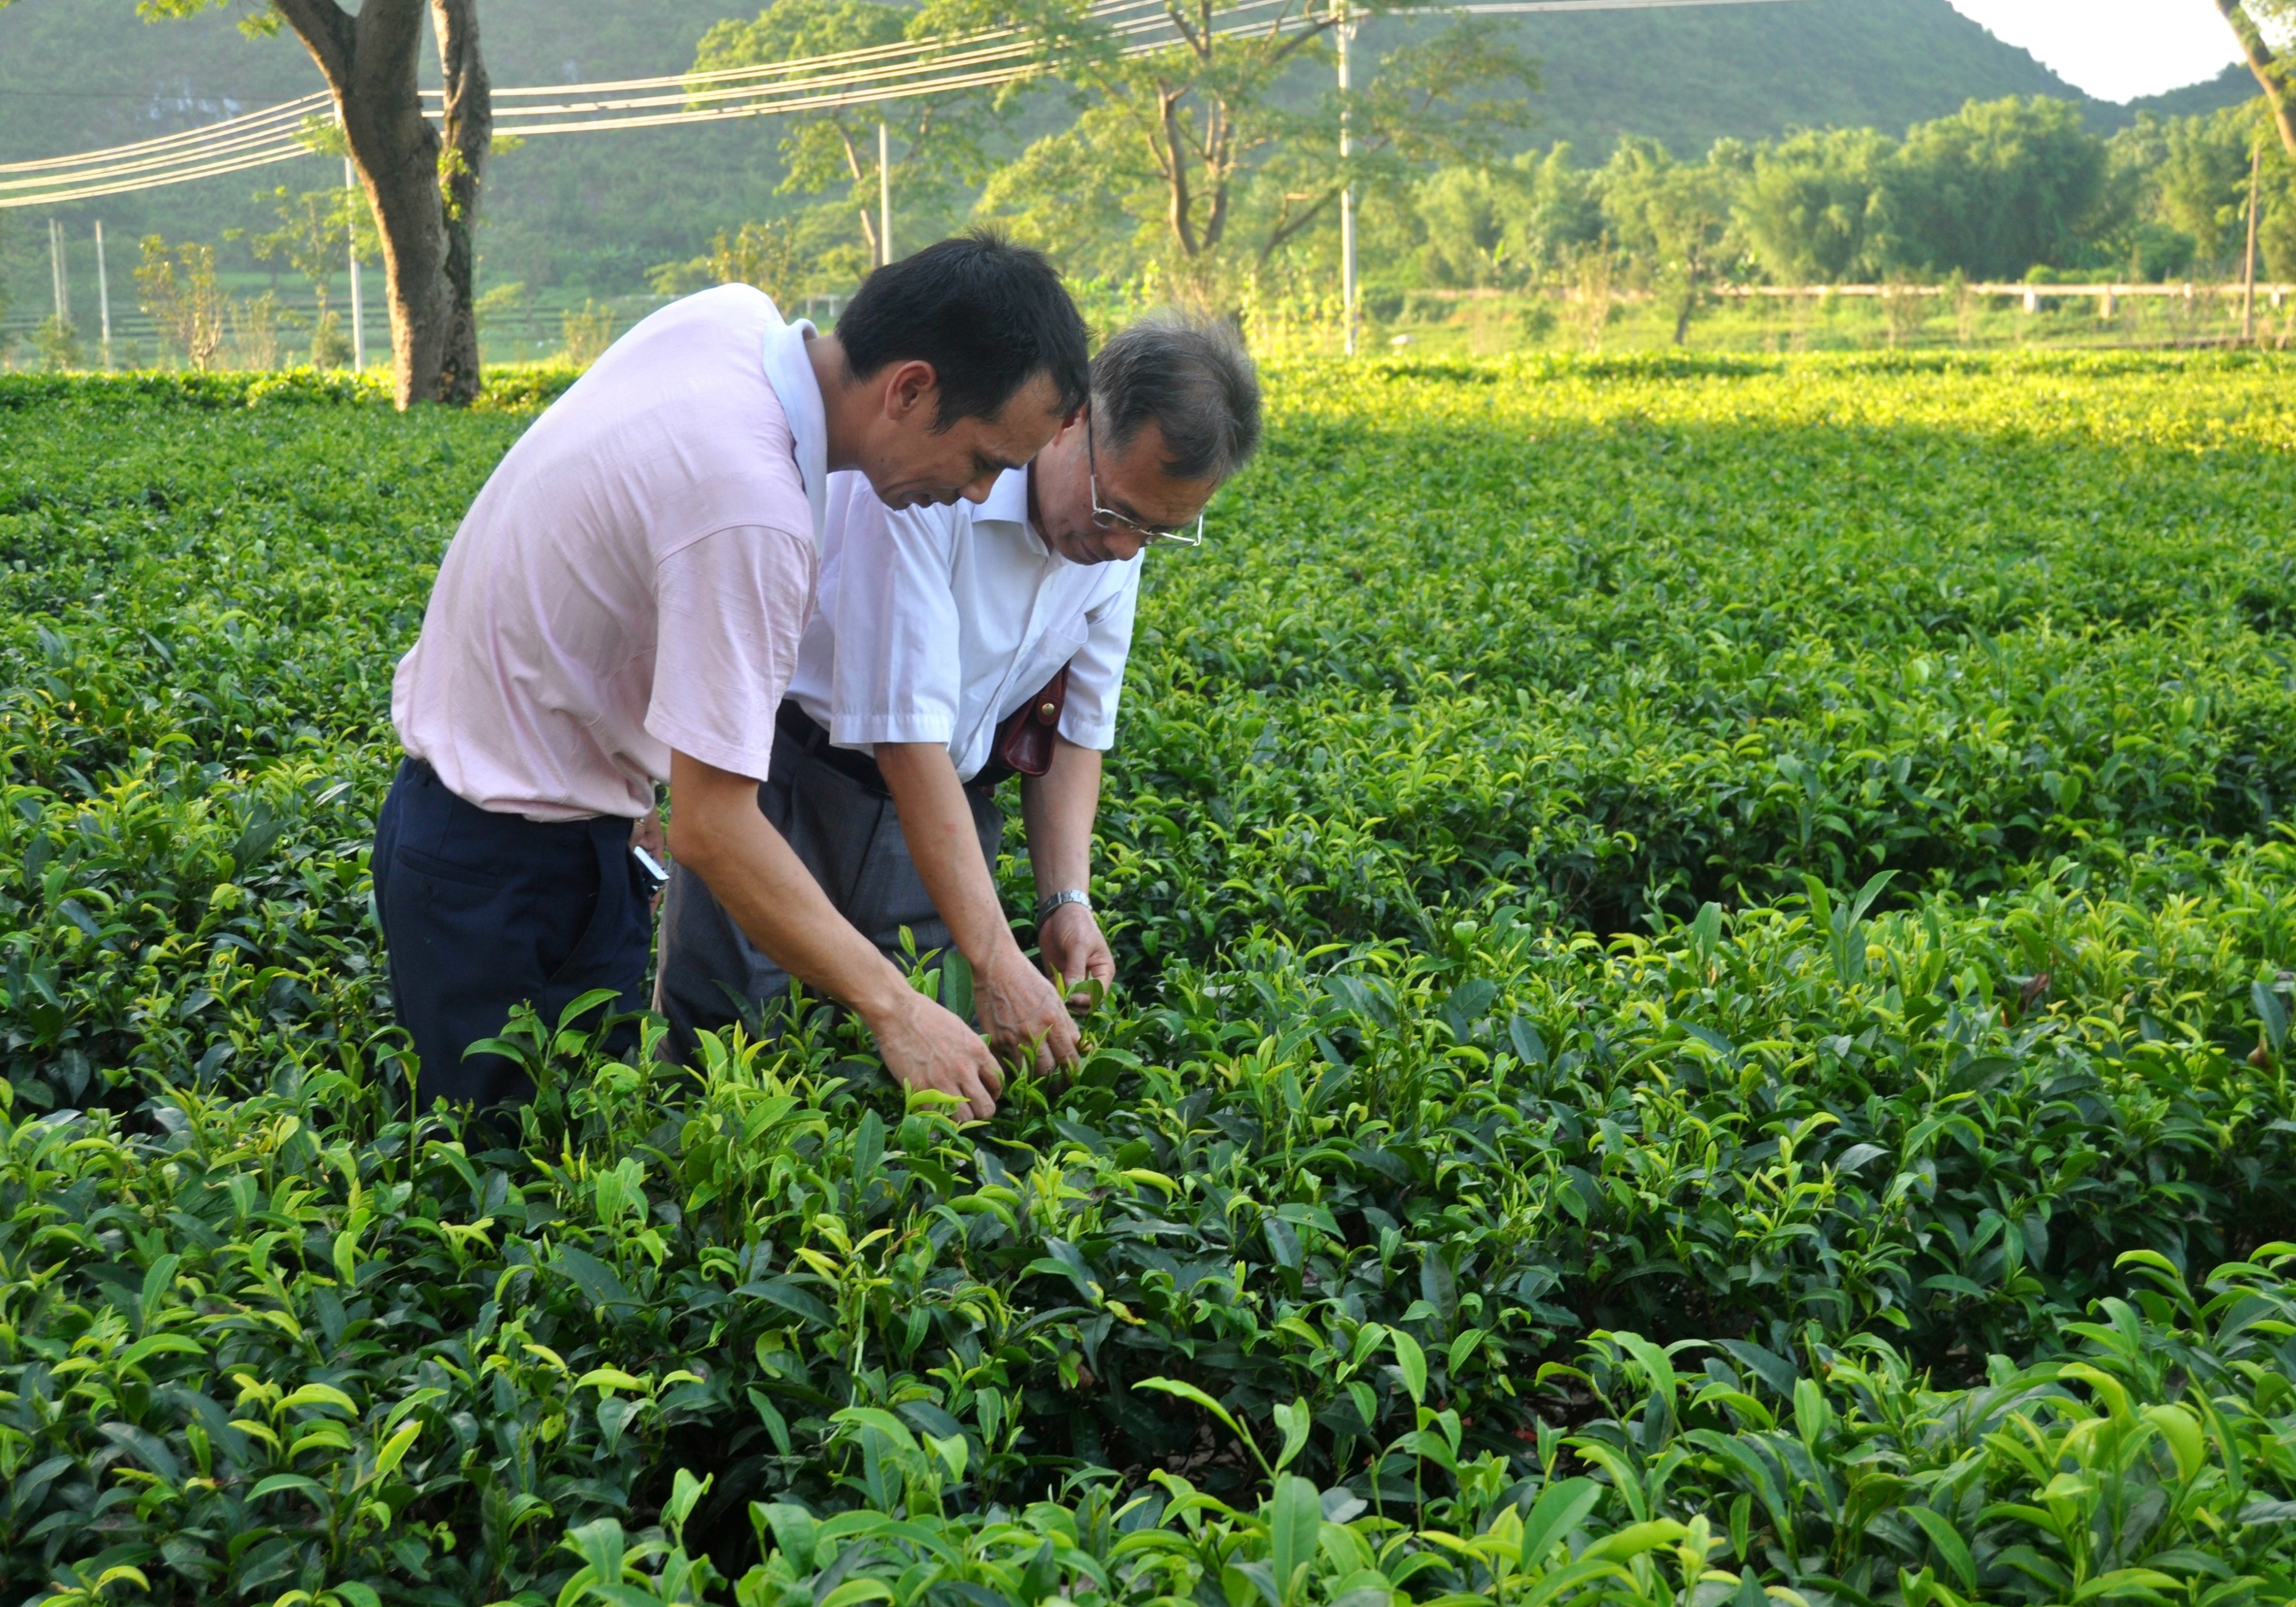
(1059, 807)
(936, 821)
(717, 833)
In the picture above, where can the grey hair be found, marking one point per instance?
(1192, 379)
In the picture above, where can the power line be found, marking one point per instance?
(870, 75)
(263, 137)
(228, 129)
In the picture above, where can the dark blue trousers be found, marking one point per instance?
(481, 912)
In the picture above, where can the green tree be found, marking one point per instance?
(58, 343)
(2187, 182)
(2149, 247)
(421, 180)
(2202, 182)
(935, 139)
(1510, 224)
(315, 236)
(1561, 214)
(1808, 206)
(1185, 156)
(1464, 211)
(1994, 189)
(786, 256)
(2251, 21)
(177, 287)
(1674, 215)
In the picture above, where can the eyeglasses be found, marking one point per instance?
(1107, 518)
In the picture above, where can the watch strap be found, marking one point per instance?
(1067, 895)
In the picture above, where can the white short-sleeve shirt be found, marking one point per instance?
(936, 623)
(635, 576)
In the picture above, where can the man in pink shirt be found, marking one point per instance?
(622, 607)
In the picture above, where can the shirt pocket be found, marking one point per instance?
(1044, 659)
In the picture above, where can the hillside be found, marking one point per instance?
(2231, 87)
(1690, 76)
(594, 211)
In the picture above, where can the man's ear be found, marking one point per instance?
(910, 386)
(1068, 425)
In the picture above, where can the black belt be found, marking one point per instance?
(797, 726)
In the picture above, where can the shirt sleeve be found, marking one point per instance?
(898, 676)
(1096, 673)
(732, 610)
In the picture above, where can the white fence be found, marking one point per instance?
(2108, 297)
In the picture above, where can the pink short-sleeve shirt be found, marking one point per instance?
(635, 576)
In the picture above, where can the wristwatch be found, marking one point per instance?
(1067, 895)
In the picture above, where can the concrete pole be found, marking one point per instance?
(56, 273)
(358, 310)
(103, 295)
(1347, 32)
(884, 196)
(2247, 284)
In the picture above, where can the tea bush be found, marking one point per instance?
(1705, 954)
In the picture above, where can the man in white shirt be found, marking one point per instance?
(936, 625)
(622, 607)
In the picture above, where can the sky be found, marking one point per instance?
(2114, 49)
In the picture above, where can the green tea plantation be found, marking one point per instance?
(1705, 954)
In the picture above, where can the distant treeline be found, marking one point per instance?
(2011, 189)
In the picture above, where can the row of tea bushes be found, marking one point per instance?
(283, 1339)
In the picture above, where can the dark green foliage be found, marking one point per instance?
(1888, 1208)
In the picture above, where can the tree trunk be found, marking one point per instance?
(2268, 71)
(470, 132)
(423, 190)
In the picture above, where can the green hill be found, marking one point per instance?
(593, 211)
(1691, 76)
(2231, 87)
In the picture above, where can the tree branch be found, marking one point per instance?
(1294, 223)
(2266, 67)
(469, 115)
(327, 31)
(1183, 227)
(853, 165)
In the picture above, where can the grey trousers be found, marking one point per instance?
(848, 835)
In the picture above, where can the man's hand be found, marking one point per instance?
(927, 1047)
(1020, 1011)
(1070, 943)
(721, 835)
(646, 832)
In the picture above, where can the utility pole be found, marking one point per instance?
(1347, 32)
(103, 295)
(358, 308)
(57, 280)
(884, 198)
(2248, 295)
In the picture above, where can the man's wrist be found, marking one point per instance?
(1061, 899)
(887, 994)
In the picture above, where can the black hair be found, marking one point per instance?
(988, 315)
(1191, 378)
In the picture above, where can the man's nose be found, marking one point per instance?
(977, 491)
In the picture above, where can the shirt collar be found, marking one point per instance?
(790, 372)
(1008, 499)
